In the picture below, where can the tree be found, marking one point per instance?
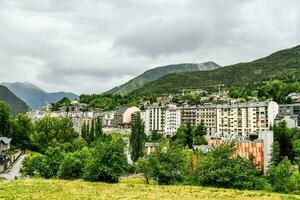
(72, 166)
(143, 166)
(21, 130)
(4, 119)
(284, 177)
(50, 131)
(84, 131)
(155, 136)
(91, 133)
(137, 138)
(65, 130)
(283, 138)
(107, 162)
(166, 165)
(199, 134)
(98, 128)
(184, 135)
(220, 169)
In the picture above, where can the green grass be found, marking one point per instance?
(128, 189)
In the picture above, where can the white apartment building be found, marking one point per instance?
(243, 119)
(157, 119)
(172, 121)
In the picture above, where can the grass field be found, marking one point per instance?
(132, 189)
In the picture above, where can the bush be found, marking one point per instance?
(284, 177)
(73, 164)
(219, 168)
(107, 162)
(166, 165)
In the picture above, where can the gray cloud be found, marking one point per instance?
(91, 46)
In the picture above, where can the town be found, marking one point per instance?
(249, 124)
(149, 100)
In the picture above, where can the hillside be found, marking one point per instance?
(283, 65)
(156, 73)
(34, 96)
(57, 189)
(16, 105)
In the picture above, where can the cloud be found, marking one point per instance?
(92, 46)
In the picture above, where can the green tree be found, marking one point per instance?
(184, 136)
(4, 119)
(283, 138)
(72, 166)
(284, 177)
(143, 166)
(199, 134)
(166, 165)
(98, 128)
(220, 169)
(137, 138)
(91, 134)
(155, 136)
(51, 131)
(107, 163)
(21, 130)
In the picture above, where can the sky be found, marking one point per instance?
(90, 46)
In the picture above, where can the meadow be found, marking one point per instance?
(41, 189)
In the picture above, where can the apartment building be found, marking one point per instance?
(244, 119)
(208, 115)
(259, 148)
(189, 115)
(154, 118)
(122, 117)
(290, 113)
(172, 121)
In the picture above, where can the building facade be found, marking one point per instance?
(245, 119)
(259, 148)
(292, 110)
(189, 115)
(172, 121)
(207, 115)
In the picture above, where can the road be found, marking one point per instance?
(14, 171)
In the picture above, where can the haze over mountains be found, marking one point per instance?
(158, 72)
(282, 65)
(34, 96)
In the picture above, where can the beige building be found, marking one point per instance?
(122, 116)
(243, 119)
(189, 115)
(208, 115)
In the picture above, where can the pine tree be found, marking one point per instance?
(199, 134)
(83, 131)
(189, 135)
(137, 138)
(91, 134)
(98, 128)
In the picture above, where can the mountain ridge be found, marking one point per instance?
(34, 96)
(281, 65)
(158, 72)
(15, 104)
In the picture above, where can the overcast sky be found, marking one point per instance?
(89, 46)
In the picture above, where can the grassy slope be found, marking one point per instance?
(282, 65)
(57, 189)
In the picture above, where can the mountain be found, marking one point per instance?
(16, 105)
(156, 73)
(34, 96)
(282, 65)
